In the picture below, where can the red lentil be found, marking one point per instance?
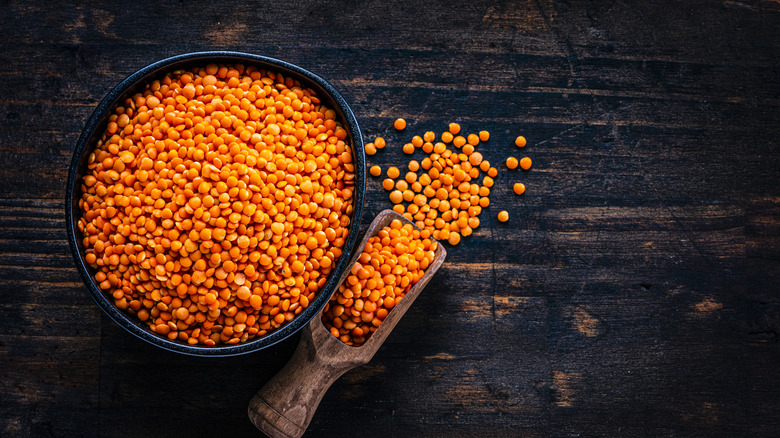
(391, 263)
(217, 202)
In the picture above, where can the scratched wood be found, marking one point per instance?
(632, 293)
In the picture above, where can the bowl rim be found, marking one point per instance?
(91, 132)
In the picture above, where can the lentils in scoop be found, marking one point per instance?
(391, 263)
(216, 203)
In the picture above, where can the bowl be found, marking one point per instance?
(96, 125)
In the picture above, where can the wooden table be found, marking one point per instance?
(634, 291)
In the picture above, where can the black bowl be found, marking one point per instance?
(95, 127)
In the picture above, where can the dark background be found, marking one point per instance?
(634, 292)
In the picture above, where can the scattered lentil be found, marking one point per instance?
(445, 200)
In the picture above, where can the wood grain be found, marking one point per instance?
(632, 293)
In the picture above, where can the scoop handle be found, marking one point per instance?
(284, 407)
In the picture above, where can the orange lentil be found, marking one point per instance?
(520, 141)
(511, 163)
(408, 149)
(503, 216)
(379, 142)
(399, 124)
(446, 195)
(370, 149)
(197, 192)
(525, 163)
(375, 170)
(519, 188)
(396, 197)
(401, 255)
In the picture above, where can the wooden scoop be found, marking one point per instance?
(286, 404)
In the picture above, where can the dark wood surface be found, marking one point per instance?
(634, 292)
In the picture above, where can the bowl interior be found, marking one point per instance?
(96, 125)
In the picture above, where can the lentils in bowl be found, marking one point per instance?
(217, 203)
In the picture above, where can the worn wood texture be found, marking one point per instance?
(634, 292)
